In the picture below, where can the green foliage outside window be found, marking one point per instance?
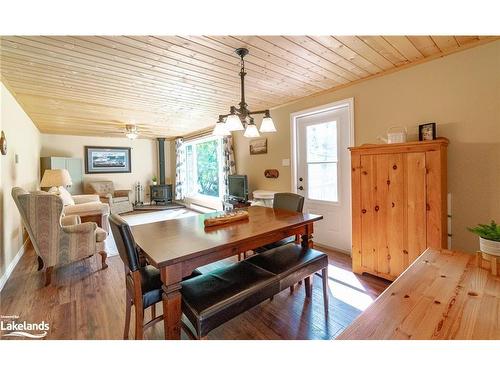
(208, 168)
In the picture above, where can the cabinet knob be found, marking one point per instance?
(394, 166)
(377, 208)
(363, 210)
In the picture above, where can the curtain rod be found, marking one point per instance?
(199, 134)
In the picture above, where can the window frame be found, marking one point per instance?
(202, 198)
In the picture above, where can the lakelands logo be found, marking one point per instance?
(13, 328)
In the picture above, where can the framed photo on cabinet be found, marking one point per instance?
(427, 132)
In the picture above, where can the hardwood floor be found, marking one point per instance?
(85, 302)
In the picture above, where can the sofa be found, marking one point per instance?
(119, 201)
(57, 238)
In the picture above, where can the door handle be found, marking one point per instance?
(300, 188)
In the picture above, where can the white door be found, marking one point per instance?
(323, 173)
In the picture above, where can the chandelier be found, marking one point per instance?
(240, 118)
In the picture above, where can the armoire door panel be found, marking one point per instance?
(416, 210)
(395, 213)
(436, 199)
(368, 235)
(380, 213)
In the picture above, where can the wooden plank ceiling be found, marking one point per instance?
(175, 85)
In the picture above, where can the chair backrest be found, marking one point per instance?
(102, 187)
(41, 214)
(288, 201)
(124, 242)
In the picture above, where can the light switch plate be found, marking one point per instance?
(285, 162)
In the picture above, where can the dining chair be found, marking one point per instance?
(142, 281)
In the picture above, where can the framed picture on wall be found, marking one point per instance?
(427, 132)
(258, 146)
(107, 159)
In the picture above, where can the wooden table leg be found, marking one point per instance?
(172, 302)
(307, 237)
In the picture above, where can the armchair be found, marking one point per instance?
(88, 206)
(119, 201)
(57, 239)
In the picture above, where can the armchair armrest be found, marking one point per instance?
(85, 198)
(70, 220)
(122, 193)
(88, 227)
(106, 198)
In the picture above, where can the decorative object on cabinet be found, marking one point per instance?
(107, 159)
(427, 132)
(72, 165)
(395, 134)
(399, 204)
(271, 173)
(3, 143)
(258, 146)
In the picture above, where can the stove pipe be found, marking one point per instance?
(161, 159)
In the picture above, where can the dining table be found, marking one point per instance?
(178, 246)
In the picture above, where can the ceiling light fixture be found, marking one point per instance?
(240, 118)
(131, 132)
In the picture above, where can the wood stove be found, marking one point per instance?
(161, 193)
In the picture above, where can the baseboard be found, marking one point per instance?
(10, 268)
(326, 247)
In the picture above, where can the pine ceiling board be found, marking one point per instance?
(348, 54)
(357, 45)
(269, 47)
(260, 76)
(159, 70)
(177, 62)
(385, 49)
(180, 82)
(176, 85)
(252, 60)
(280, 64)
(77, 86)
(445, 43)
(294, 49)
(328, 55)
(405, 47)
(255, 42)
(424, 44)
(464, 39)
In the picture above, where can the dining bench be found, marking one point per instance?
(216, 297)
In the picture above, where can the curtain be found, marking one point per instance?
(229, 166)
(180, 169)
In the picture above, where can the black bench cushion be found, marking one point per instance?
(151, 284)
(216, 297)
(290, 262)
(273, 245)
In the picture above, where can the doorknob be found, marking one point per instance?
(300, 188)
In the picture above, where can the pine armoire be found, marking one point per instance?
(399, 204)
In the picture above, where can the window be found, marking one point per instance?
(322, 161)
(204, 177)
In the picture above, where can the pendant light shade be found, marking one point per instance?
(233, 123)
(251, 131)
(267, 125)
(221, 129)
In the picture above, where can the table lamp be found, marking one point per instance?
(54, 179)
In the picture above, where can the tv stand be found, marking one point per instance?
(232, 204)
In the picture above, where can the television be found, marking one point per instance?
(238, 187)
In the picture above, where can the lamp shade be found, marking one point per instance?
(55, 178)
(251, 131)
(233, 123)
(220, 129)
(267, 125)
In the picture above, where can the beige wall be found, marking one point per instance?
(23, 140)
(144, 157)
(460, 92)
